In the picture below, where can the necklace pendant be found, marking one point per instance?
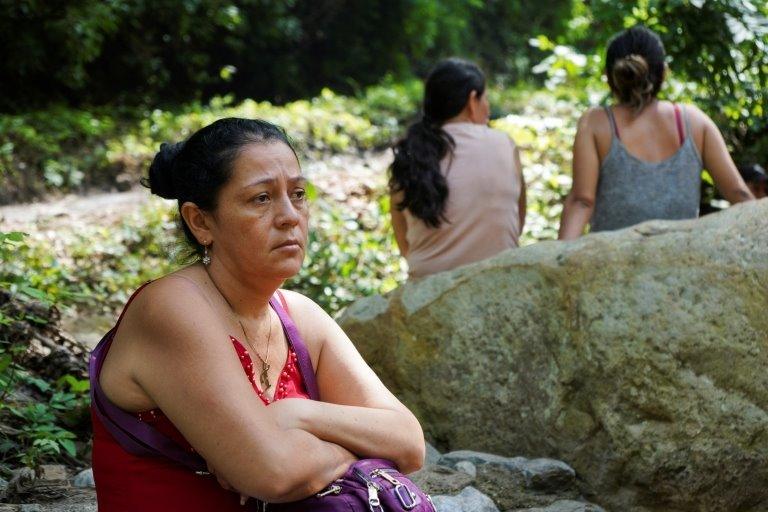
(264, 377)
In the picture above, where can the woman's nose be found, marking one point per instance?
(287, 214)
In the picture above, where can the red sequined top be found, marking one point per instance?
(126, 482)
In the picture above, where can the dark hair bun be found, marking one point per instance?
(632, 79)
(160, 180)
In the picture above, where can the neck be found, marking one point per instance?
(463, 117)
(247, 298)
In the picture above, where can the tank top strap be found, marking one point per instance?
(679, 123)
(299, 347)
(612, 120)
(128, 303)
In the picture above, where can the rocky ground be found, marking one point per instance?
(460, 481)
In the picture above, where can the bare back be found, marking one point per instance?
(651, 135)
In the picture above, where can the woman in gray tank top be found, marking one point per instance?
(642, 158)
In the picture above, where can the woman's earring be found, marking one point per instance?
(206, 256)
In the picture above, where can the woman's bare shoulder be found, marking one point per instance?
(310, 319)
(594, 119)
(168, 306)
(302, 308)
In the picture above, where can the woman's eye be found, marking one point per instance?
(261, 198)
(299, 194)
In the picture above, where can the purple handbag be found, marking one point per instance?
(369, 485)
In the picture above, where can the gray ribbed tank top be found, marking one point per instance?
(630, 190)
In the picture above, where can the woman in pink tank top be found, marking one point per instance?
(457, 189)
(205, 355)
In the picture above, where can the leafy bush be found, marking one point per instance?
(72, 150)
(40, 419)
(146, 52)
(350, 255)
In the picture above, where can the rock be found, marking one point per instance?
(517, 482)
(480, 458)
(565, 506)
(636, 356)
(30, 507)
(467, 467)
(549, 474)
(441, 480)
(432, 455)
(468, 500)
(84, 479)
(52, 472)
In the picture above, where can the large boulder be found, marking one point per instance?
(639, 357)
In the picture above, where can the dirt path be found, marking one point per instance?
(340, 177)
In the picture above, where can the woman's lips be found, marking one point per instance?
(289, 245)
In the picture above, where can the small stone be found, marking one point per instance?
(3, 485)
(548, 474)
(30, 507)
(84, 479)
(566, 506)
(468, 500)
(467, 467)
(480, 458)
(53, 472)
(432, 455)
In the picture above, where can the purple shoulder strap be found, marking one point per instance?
(136, 437)
(298, 346)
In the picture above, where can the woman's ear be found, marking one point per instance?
(472, 103)
(198, 221)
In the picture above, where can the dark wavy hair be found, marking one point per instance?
(196, 169)
(416, 168)
(634, 65)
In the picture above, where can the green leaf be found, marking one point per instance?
(69, 446)
(5, 362)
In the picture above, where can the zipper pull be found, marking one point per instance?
(386, 476)
(374, 503)
(331, 489)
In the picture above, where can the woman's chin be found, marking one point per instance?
(289, 267)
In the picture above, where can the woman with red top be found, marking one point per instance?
(202, 354)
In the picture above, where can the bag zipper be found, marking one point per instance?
(331, 489)
(374, 503)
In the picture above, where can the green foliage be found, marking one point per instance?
(350, 255)
(44, 427)
(165, 51)
(40, 425)
(71, 150)
(718, 55)
(544, 130)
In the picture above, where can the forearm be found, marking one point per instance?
(301, 465)
(576, 215)
(738, 195)
(368, 432)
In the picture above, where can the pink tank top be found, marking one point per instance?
(482, 205)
